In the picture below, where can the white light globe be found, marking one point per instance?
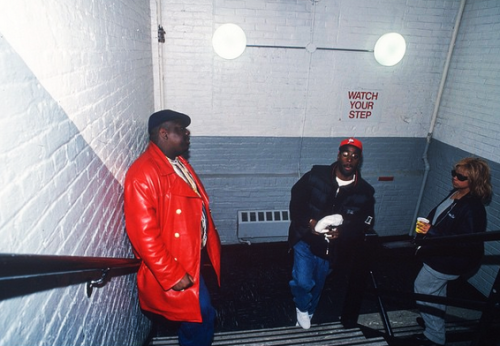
(390, 49)
(229, 41)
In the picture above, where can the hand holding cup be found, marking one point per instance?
(423, 225)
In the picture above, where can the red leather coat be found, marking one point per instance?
(163, 217)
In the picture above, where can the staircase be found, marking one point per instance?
(459, 333)
(318, 335)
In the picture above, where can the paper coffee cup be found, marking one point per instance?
(422, 220)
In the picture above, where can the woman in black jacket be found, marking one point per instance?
(461, 212)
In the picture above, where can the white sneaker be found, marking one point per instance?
(303, 319)
(310, 318)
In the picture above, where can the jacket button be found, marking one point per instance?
(178, 211)
(176, 235)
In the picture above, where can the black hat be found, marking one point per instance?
(158, 118)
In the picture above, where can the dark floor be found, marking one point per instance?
(255, 294)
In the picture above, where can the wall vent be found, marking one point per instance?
(263, 225)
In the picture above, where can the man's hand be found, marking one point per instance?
(333, 233)
(326, 224)
(186, 282)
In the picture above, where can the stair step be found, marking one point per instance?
(318, 335)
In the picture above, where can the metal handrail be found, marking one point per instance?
(450, 239)
(486, 307)
(22, 274)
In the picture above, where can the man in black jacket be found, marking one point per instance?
(331, 209)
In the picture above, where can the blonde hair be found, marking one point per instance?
(478, 173)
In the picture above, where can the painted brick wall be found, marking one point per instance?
(468, 117)
(467, 124)
(265, 118)
(75, 85)
(255, 173)
(279, 92)
(288, 97)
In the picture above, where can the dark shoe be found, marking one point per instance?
(421, 340)
(421, 322)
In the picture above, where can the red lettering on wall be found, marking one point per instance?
(362, 95)
(359, 114)
(361, 104)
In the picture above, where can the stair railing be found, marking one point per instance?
(22, 274)
(487, 307)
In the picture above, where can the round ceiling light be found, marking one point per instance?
(229, 41)
(390, 49)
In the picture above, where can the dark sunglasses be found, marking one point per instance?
(346, 154)
(458, 175)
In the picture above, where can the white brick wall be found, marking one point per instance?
(76, 88)
(266, 88)
(468, 118)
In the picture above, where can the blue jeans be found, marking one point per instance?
(434, 283)
(308, 277)
(199, 334)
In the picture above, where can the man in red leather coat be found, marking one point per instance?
(169, 224)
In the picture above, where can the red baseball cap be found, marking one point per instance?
(352, 141)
